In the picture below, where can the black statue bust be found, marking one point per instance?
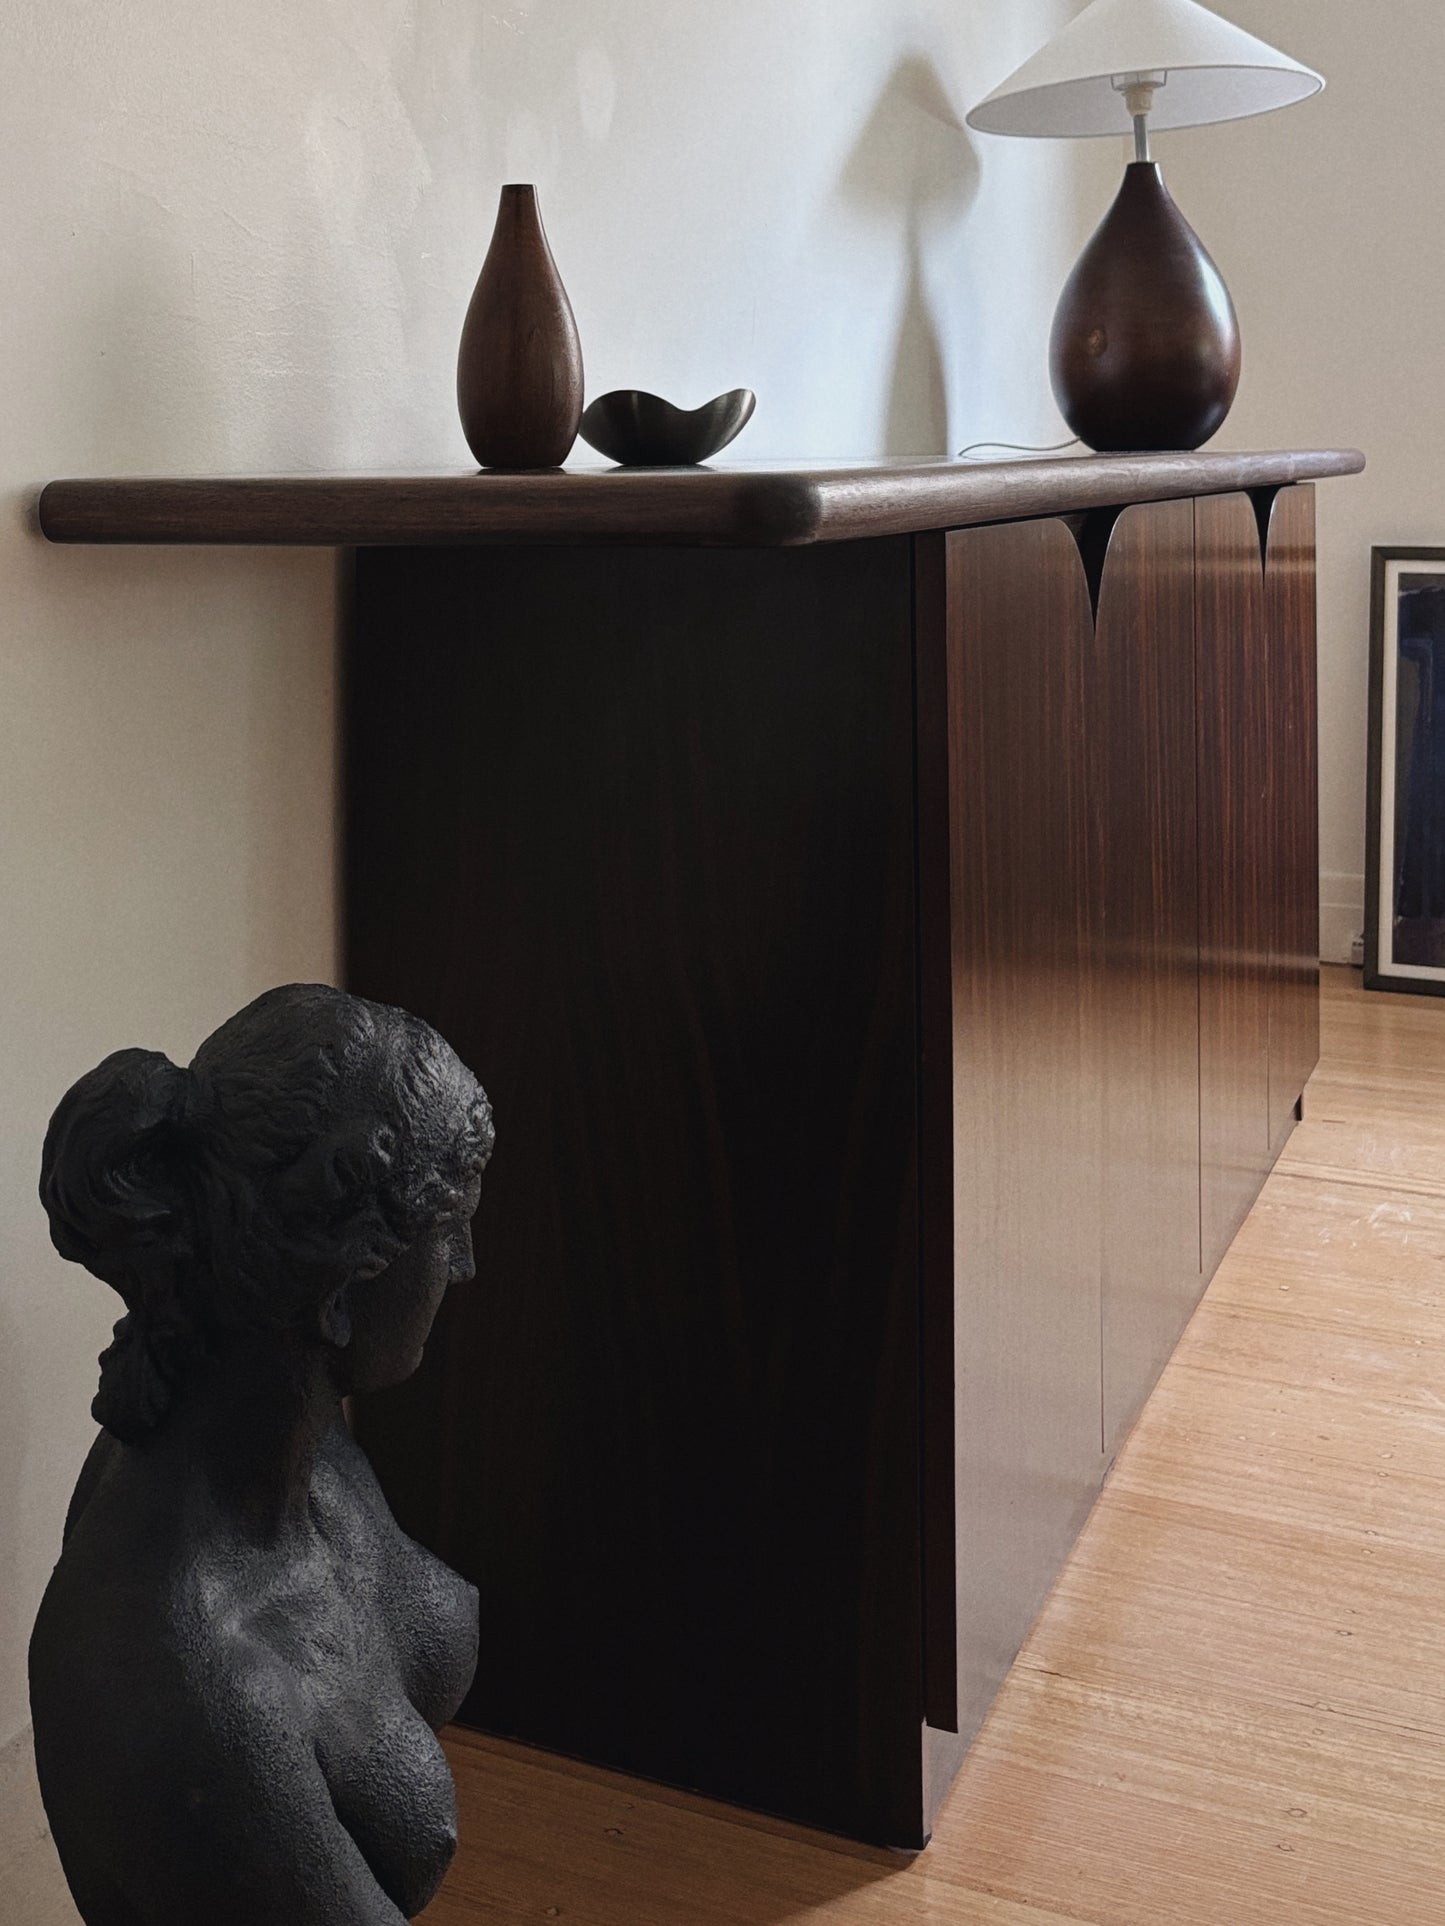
(241, 1661)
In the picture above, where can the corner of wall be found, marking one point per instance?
(1342, 915)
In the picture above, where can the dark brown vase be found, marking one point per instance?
(519, 372)
(1145, 348)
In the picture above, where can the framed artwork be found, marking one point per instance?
(1405, 847)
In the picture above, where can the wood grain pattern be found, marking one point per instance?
(1027, 1109)
(737, 506)
(1144, 897)
(1294, 835)
(1235, 883)
(636, 833)
(1231, 1708)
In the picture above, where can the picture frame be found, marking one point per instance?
(1405, 815)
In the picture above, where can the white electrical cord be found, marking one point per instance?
(1021, 447)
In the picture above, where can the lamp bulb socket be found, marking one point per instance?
(1139, 98)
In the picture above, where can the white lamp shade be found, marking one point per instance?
(1213, 71)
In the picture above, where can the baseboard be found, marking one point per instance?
(32, 1886)
(1342, 916)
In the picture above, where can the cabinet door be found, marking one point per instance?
(1023, 1273)
(1141, 725)
(1294, 1011)
(1236, 932)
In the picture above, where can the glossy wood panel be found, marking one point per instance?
(1141, 732)
(755, 505)
(636, 831)
(936, 1149)
(1026, 1088)
(1294, 1015)
(1236, 879)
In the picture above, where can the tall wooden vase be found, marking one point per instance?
(519, 372)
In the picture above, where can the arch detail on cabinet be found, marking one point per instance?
(1094, 533)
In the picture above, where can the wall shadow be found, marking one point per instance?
(914, 165)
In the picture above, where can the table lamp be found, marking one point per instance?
(1145, 347)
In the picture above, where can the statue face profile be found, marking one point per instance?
(234, 1609)
(392, 1315)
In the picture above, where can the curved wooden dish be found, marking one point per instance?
(640, 430)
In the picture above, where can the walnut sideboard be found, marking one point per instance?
(882, 904)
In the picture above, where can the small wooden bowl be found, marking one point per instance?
(639, 430)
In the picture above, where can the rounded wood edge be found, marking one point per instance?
(692, 508)
(49, 512)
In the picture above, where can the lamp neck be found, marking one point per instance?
(1139, 91)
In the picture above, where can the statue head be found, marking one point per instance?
(308, 1181)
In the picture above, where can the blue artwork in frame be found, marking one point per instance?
(1405, 852)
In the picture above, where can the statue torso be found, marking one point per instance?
(357, 1637)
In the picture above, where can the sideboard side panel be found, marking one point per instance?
(636, 831)
(935, 1138)
(1236, 866)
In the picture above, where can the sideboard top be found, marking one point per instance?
(757, 505)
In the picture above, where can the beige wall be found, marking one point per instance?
(238, 237)
(1325, 221)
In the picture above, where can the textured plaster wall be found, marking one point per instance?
(243, 237)
(1323, 220)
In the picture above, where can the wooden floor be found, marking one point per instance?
(1233, 1709)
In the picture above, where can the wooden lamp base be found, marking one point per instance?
(1145, 350)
